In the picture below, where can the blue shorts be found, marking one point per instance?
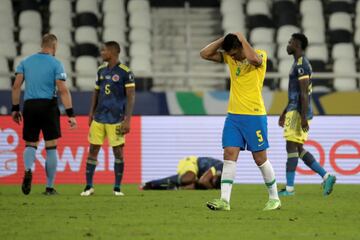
(245, 131)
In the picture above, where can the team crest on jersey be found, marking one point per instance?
(116, 78)
(238, 71)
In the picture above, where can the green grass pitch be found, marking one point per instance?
(178, 214)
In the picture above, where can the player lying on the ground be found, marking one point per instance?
(192, 173)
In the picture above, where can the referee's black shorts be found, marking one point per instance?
(41, 115)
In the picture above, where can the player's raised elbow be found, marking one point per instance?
(204, 54)
(256, 61)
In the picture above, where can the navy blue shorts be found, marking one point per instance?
(245, 131)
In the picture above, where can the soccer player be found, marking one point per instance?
(42, 74)
(245, 126)
(296, 117)
(110, 113)
(192, 173)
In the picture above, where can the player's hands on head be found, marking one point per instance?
(240, 36)
(72, 122)
(17, 117)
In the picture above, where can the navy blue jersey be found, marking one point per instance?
(112, 84)
(301, 69)
(205, 163)
(41, 70)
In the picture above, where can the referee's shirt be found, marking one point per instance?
(40, 72)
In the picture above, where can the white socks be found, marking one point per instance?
(326, 176)
(227, 179)
(228, 176)
(269, 178)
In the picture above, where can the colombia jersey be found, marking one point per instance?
(199, 165)
(206, 163)
(301, 69)
(112, 84)
(246, 85)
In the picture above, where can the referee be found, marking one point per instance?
(44, 76)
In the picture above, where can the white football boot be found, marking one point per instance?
(87, 192)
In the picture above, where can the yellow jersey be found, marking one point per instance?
(246, 85)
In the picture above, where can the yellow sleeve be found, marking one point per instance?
(262, 54)
(304, 77)
(213, 171)
(225, 57)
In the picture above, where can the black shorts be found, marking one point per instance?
(44, 115)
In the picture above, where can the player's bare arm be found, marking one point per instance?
(250, 54)
(304, 96)
(15, 95)
(94, 102)
(282, 117)
(190, 186)
(211, 52)
(130, 100)
(205, 180)
(66, 101)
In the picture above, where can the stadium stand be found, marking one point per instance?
(86, 68)
(140, 36)
(4, 69)
(233, 16)
(87, 6)
(344, 67)
(160, 39)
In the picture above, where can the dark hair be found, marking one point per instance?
(217, 184)
(114, 45)
(231, 41)
(302, 38)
